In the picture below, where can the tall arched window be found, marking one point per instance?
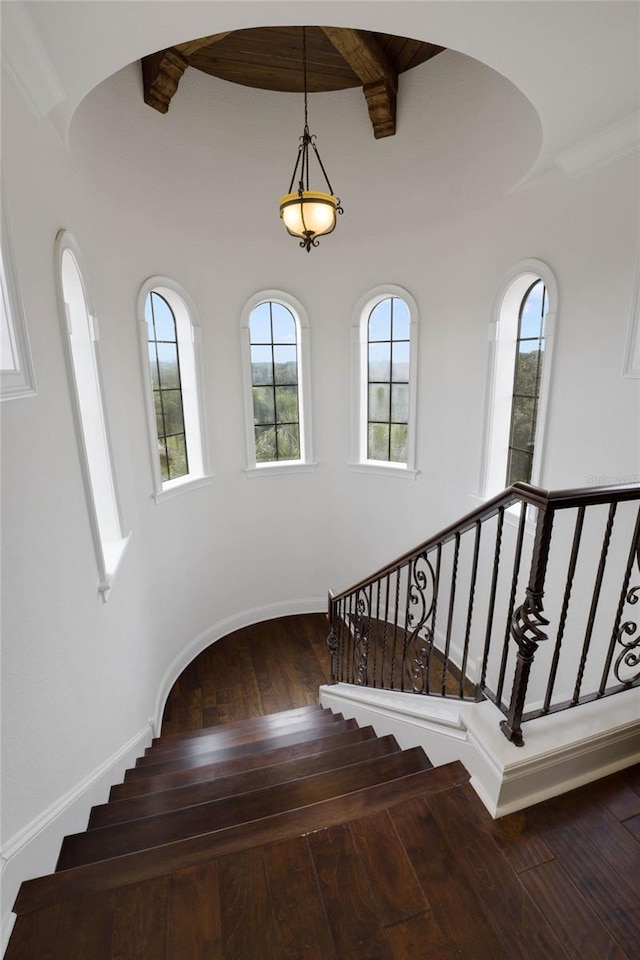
(276, 369)
(386, 338)
(170, 341)
(519, 376)
(82, 340)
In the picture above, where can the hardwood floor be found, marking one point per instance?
(264, 668)
(285, 842)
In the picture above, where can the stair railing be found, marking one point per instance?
(443, 619)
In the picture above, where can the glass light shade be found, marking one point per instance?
(309, 213)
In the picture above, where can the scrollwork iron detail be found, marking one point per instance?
(627, 663)
(361, 636)
(527, 623)
(419, 639)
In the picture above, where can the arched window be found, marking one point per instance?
(82, 340)
(386, 378)
(520, 368)
(16, 370)
(276, 383)
(170, 340)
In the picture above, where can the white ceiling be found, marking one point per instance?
(577, 62)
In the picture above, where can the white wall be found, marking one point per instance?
(193, 195)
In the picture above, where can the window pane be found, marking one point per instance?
(148, 316)
(527, 373)
(379, 402)
(398, 443)
(263, 405)
(401, 320)
(260, 323)
(400, 402)
(531, 316)
(286, 367)
(177, 453)
(153, 366)
(523, 422)
(287, 404)
(261, 365)
(172, 406)
(168, 364)
(379, 361)
(380, 321)
(288, 442)
(157, 402)
(519, 467)
(284, 326)
(265, 444)
(400, 362)
(165, 324)
(378, 446)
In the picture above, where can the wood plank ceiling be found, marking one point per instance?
(271, 58)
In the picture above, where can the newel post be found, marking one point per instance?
(527, 623)
(332, 639)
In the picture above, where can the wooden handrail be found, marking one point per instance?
(518, 493)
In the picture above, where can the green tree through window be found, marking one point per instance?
(526, 382)
(388, 381)
(274, 382)
(164, 364)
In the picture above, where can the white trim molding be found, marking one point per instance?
(16, 376)
(189, 340)
(81, 338)
(306, 462)
(358, 461)
(34, 850)
(500, 371)
(621, 139)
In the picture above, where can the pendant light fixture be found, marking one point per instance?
(306, 213)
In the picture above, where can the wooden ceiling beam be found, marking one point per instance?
(379, 79)
(162, 71)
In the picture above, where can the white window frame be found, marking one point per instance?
(80, 333)
(503, 332)
(189, 352)
(359, 461)
(16, 376)
(306, 462)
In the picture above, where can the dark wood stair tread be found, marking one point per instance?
(161, 861)
(120, 839)
(121, 811)
(249, 723)
(346, 732)
(237, 750)
(219, 739)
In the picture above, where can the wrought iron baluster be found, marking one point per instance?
(434, 611)
(628, 655)
(395, 630)
(492, 602)
(376, 635)
(527, 624)
(573, 559)
(452, 600)
(594, 602)
(517, 558)
(472, 591)
(385, 628)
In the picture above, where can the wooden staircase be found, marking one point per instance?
(221, 843)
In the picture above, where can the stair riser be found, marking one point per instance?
(107, 842)
(219, 740)
(348, 732)
(209, 790)
(174, 738)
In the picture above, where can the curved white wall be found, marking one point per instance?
(193, 195)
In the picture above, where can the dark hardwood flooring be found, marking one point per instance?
(264, 668)
(396, 872)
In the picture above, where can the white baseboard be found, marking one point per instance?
(270, 611)
(34, 850)
(561, 751)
